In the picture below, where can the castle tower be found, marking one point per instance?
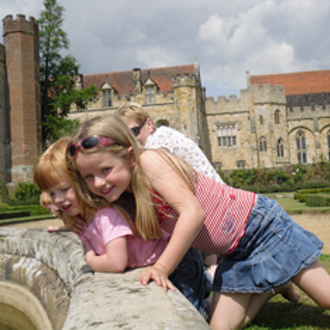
(4, 120)
(189, 115)
(21, 41)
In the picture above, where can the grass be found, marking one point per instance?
(292, 205)
(279, 314)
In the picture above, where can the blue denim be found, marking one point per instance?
(273, 249)
(189, 278)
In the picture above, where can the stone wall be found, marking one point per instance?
(53, 269)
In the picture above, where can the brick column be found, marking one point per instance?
(21, 41)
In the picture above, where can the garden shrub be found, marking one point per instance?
(25, 191)
(4, 193)
(4, 207)
(281, 177)
(14, 214)
(317, 200)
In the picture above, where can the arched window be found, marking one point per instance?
(262, 144)
(301, 147)
(261, 120)
(280, 148)
(277, 116)
(162, 122)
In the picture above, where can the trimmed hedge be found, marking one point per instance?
(6, 211)
(317, 200)
(26, 219)
(14, 214)
(314, 197)
(285, 187)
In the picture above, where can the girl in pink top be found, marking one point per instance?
(108, 239)
(264, 250)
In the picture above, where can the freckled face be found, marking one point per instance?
(105, 174)
(64, 198)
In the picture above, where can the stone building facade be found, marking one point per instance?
(277, 120)
(267, 126)
(173, 96)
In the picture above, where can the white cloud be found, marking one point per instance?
(156, 57)
(228, 37)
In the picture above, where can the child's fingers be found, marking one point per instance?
(156, 274)
(170, 285)
(145, 276)
(52, 229)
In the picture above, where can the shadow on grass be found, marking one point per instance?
(277, 315)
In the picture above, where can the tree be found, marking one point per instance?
(57, 73)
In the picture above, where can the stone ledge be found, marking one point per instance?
(98, 300)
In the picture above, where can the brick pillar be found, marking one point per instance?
(21, 41)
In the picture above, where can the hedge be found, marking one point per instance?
(14, 214)
(317, 200)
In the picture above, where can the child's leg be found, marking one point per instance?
(229, 310)
(232, 311)
(258, 300)
(315, 281)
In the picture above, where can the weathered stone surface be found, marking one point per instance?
(97, 300)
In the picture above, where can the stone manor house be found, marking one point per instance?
(277, 120)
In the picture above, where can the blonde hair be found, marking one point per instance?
(51, 168)
(45, 199)
(133, 111)
(139, 206)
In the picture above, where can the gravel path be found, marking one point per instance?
(318, 224)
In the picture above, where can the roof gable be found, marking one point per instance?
(123, 81)
(310, 82)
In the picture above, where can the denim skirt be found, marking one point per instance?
(273, 249)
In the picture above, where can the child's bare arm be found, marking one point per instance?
(165, 180)
(114, 261)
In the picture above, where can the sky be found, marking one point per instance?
(228, 37)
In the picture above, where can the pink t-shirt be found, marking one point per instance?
(108, 225)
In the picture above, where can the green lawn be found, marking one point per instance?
(278, 313)
(292, 205)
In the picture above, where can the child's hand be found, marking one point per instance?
(78, 226)
(159, 275)
(52, 229)
(75, 224)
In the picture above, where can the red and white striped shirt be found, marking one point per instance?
(226, 213)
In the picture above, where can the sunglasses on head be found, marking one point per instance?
(137, 129)
(89, 143)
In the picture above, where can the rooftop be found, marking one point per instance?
(123, 81)
(309, 82)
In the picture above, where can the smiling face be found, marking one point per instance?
(105, 174)
(63, 197)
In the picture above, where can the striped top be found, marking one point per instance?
(226, 213)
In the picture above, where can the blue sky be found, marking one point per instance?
(227, 37)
